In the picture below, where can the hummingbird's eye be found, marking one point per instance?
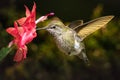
(53, 27)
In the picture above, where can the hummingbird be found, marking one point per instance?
(69, 38)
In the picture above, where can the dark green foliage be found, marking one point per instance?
(4, 52)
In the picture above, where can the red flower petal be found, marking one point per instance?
(27, 11)
(43, 18)
(21, 20)
(12, 31)
(20, 54)
(34, 9)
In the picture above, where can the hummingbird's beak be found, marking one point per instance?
(42, 28)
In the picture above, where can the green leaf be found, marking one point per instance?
(3, 52)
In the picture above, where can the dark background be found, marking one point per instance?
(44, 60)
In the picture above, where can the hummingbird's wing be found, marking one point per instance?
(75, 24)
(91, 26)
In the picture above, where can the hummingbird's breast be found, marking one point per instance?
(66, 41)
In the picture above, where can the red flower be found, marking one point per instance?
(25, 32)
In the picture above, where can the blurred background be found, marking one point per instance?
(44, 60)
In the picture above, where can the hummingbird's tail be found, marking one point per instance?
(83, 56)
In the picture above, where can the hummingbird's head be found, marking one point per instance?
(55, 27)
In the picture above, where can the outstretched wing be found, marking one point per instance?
(75, 24)
(91, 26)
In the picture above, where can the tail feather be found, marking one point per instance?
(84, 57)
